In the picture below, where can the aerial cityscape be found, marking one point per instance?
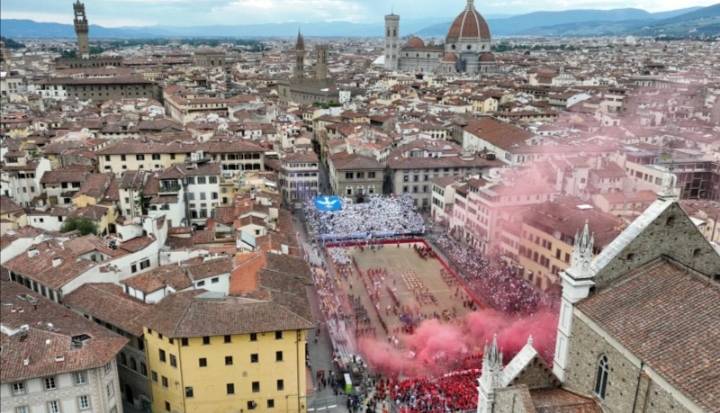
(347, 206)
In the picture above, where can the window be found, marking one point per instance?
(154, 376)
(256, 387)
(189, 391)
(173, 360)
(22, 409)
(601, 377)
(18, 387)
(254, 358)
(253, 336)
(156, 157)
(278, 356)
(80, 378)
(108, 368)
(251, 405)
(53, 406)
(281, 384)
(270, 403)
(140, 157)
(230, 388)
(201, 180)
(162, 355)
(50, 383)
(202, 361)
(228, 360)
(143, 369)
(164, 381)
(167, 406)
(84, 402)
(215, 281)
(278, 335)
(184, 341)
(110, 389)
(206, 339)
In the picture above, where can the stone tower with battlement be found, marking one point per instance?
(321, 69)
(81, 30)
(392, 41)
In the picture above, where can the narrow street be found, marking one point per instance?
(320, 351)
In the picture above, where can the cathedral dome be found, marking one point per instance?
(450, 57)
(415, 43)
(469, 25)
(487, 57)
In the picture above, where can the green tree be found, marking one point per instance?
(83, 225)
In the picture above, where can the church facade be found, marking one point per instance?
(467, 47)
(637, 331)
(316, 88)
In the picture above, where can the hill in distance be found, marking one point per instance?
(682, 22)
(526, 24)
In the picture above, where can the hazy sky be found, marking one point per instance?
(209, 12)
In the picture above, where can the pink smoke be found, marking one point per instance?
(436, 348)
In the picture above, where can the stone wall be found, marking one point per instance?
(672, 234)
(624, 379)
(513, 400)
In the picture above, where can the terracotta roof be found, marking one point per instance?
(669, 317)
(415, 43)
(469, 25)
(55, 263)
(561, 400)
(500, 134)
(197, 313)
(345, 161)
(209, 268)
(8, 206)
(107, 302)
(182, 170)
(47, 346)
(150, 281)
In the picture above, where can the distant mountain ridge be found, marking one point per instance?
(526, 23)
(698, 22)
(681, 22)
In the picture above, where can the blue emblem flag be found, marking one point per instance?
(328, 203)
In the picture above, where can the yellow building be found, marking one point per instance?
(138, 155)
(547, 236)
(209, 353)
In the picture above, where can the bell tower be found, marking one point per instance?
(299, 71)
(576, 284)
(81, 29)
(392, 41)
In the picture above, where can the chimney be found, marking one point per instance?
(56, 261)
(33, 252)
(26, 361)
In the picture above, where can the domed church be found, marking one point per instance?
(466, 48)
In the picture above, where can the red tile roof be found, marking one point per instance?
(47, 346)
(669, 317)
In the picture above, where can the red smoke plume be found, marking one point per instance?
(436, 348)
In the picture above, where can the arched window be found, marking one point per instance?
(601, 377)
